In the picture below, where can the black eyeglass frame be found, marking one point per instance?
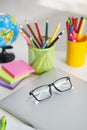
(50, 90)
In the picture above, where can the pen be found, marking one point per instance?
(38, 31)
(31, 30)
(54, 34)
(58, 37)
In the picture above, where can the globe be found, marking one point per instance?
(9, 30)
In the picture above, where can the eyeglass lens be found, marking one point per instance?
(42, 93)
(62, 84)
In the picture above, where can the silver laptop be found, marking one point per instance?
(62, 111)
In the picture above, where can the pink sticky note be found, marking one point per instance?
(18, 68)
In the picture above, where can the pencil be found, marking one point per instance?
(54, 34)
(58, 37)
(21, 27)
(38, 31)
(36, 44)
(45, 44)
(25, 37)
(32, 32)
(46, 31)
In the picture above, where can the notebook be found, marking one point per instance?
(18, 68)
(5, 76)
(62, 111)
(10, 86)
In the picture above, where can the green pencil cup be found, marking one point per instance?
(41, 59)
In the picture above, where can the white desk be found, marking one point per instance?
(32, 10)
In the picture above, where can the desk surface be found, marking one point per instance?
(41, 13)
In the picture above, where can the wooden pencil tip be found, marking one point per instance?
(35, 21)
(20, 26)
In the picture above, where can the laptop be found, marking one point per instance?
(62, 111)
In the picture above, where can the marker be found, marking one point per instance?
(3, 123)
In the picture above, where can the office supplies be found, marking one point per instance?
(5, 76)
(76, 53)
(39, 33)
(62, 111)
(69, 20)
(21, 27)
(58, 37)
(68, 29)
(42, 60)
(54, 34)
(3, 123)
(45, 44)
(74, 31)
(25, 37)
(75, 24)
(71, 29)
(82, 26)
(10, 86)
(18, 68)
(31, 30)
(46, 31)
(10, 124)
(79, 25)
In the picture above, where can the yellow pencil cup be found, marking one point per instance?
(76, 53)
(41, 59)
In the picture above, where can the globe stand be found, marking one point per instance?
(6, 57)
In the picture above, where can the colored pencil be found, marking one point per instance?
(25, 37)
(46, 31)
(38, 31)
(32, 32)
(54, 34)
(21, 27)
(58, 37)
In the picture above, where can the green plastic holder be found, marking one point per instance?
(41, 59)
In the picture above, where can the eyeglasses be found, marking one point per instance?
(45, 91)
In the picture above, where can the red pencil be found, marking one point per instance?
(38, 31)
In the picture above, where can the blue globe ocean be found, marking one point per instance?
(9, 30)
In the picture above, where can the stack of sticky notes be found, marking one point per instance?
(12, 73)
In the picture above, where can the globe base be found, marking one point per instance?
(6, 57)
